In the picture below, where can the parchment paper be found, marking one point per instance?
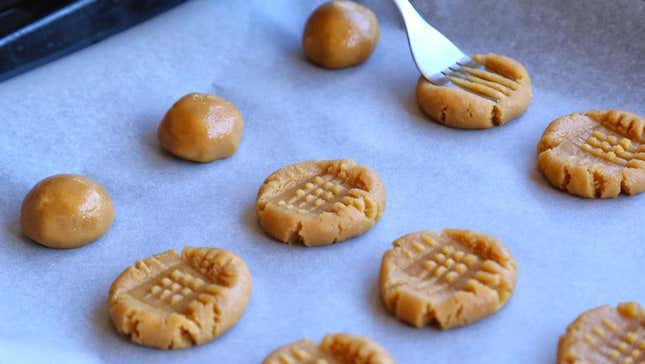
(96, 112)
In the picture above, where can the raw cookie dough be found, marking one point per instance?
(605, 335)
(66, 211)
(451, 279)
(334, 349)
(596, 154)
(320, 202)
(169, 301)
(478, 98)
(340, 34)
(201, 128)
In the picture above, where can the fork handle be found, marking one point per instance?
(414, 21)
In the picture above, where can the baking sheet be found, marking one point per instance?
(95, 113)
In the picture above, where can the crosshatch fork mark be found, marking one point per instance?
(328, 192)
(445, 267)
(620, 151)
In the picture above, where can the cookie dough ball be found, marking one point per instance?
(478, 98)
(449, 279)
(173, 301)
(201, 128)
(66, 211)
(605, 335)
(320, 202)
(340, 34)
(597, 154)
(341, 348)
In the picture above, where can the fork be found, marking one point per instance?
(435, 55)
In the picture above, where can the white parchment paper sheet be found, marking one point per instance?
(96, 112)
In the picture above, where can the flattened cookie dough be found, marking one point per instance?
(334, 349)
(605, 335)
(478, 98)
(170, 301)
(340, 34)
(598, 154)
(66, 211)
(201, 128)
(449, 280)
(320, 202)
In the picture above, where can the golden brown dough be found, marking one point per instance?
(66, 211)
(334, 349)
(340, 34)
(320, 202)
(201, 128)
(451, 279)
(478, 98)
(596, 154)
(605, 335)
(169, 301)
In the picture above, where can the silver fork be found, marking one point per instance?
(435, 55)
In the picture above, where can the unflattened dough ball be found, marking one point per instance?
(320, 202)
(340, 34)
(66, 211)
(605, 335)
(478, 98)
(598, 154)
(449, 279)
(169, 301)
(334, 349)
(201, 128)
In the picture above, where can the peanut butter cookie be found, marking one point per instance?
(340, 34)
(598, 154)
(451, 279)
(478, 98)
(201, 128)
(334, 349)
(169, 301)
(605, 335)
(320, 202)
(66, 211)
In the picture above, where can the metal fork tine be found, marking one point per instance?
(468, 62)
(439, 79)
(434, 54)
(456, 70)
(431, 50)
